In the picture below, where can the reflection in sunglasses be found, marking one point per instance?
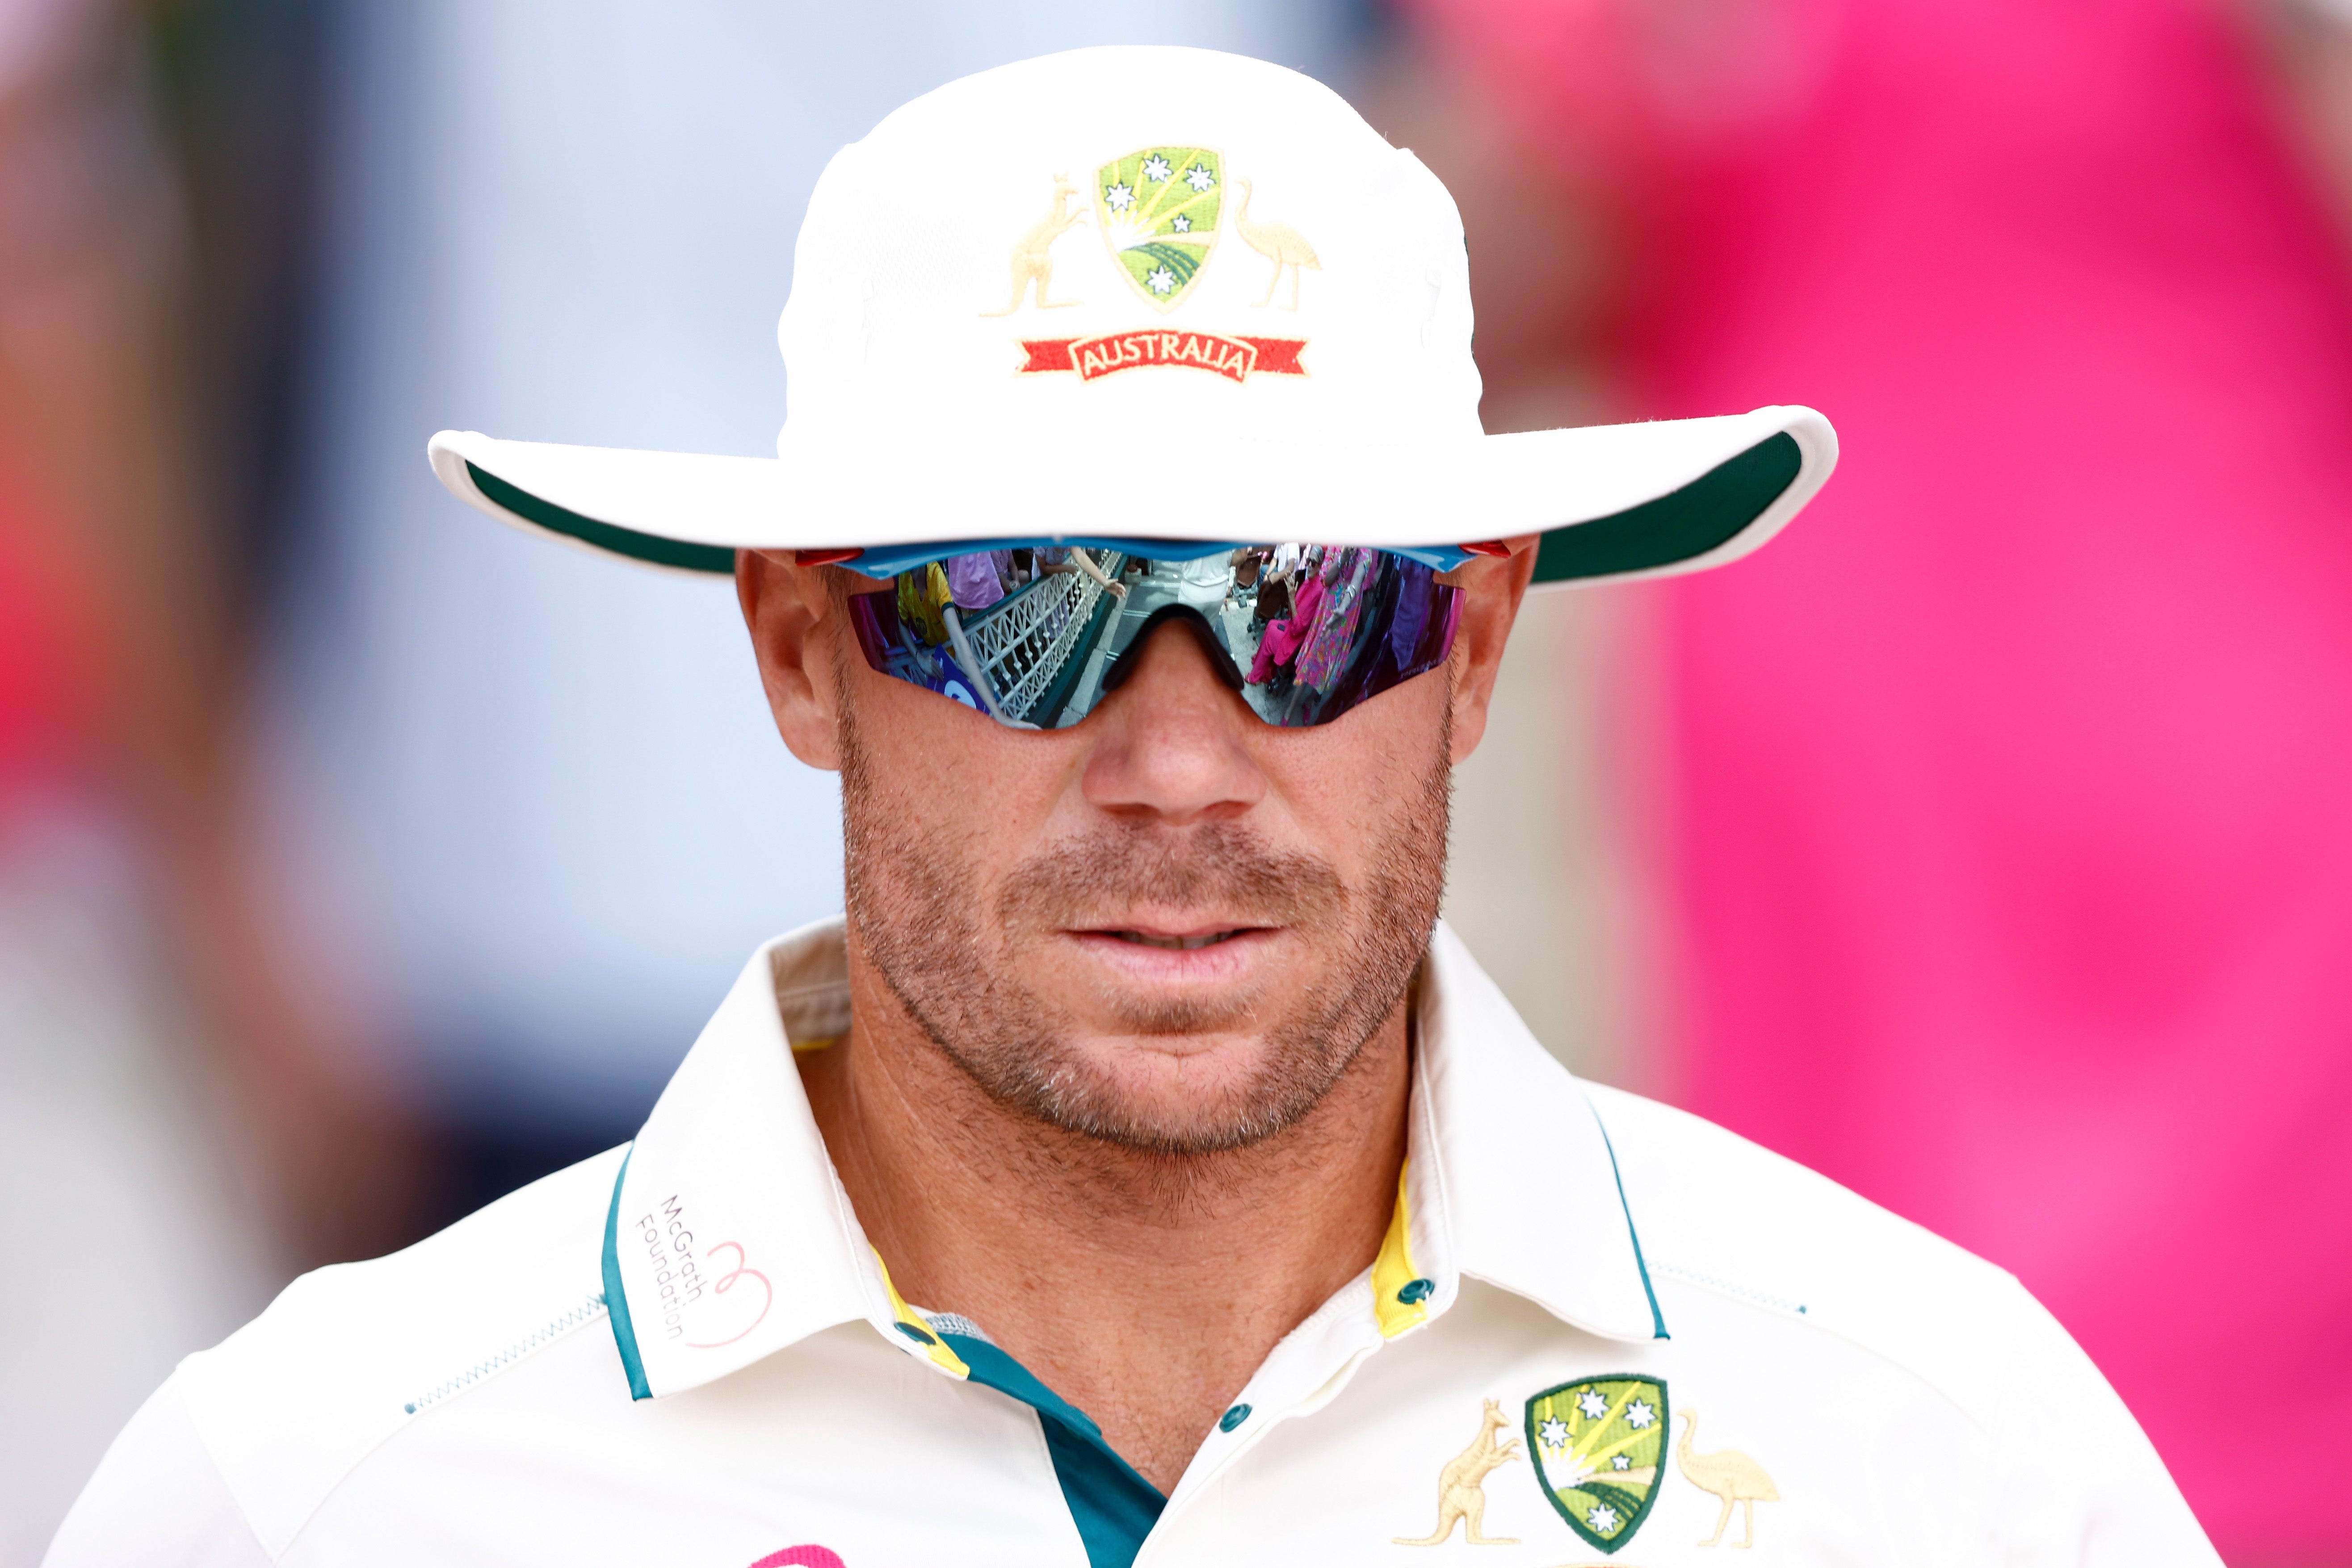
(1033, 636)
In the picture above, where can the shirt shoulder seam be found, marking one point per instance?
(1798, 1313)
(204, 1446)
(454, 1389)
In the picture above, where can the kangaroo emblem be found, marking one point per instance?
(1032, 254)
(1462, 1486)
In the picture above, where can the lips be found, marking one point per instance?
(1178, 943)
(1167, 950)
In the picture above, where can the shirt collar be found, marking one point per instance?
(731, 1238)
(1510, 1175)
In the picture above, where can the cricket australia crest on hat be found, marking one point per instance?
(1598, 1446)
(1160, 211)
(1157, 209)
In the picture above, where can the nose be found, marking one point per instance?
(1174, 739)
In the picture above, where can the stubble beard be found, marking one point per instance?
(954, 964)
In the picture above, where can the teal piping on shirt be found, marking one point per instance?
(1113, 1507)
(1657, 1319)
(616, 1303)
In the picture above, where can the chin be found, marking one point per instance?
(1179, 1094)
(1178, 1066)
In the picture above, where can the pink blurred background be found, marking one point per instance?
(2009, 837)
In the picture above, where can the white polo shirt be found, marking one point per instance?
(1601, 1329)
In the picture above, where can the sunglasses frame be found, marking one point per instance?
(1378, 617)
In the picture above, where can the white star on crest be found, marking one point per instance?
(1593, 1405)
(1199, 177)
(1554, 1433)
(1622, 1462)
(1118, 198)
(1639, 1415)
(1182, 224)
(1156, 168)
(1160, 280)
(1603, 1517)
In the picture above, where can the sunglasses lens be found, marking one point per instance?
(1037, 637)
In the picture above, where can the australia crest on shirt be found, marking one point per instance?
(1597, 1444)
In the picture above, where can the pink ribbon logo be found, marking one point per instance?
(725, 1283)
(802, 1557)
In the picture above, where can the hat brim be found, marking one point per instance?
(1612, 501)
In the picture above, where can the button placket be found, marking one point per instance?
(1231, 1446)
(1305, 1373)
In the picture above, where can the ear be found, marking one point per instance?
(1492, 587)
(796, 626)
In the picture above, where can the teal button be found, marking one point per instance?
(1416, 1291)
(1232, 1418)
(915, 1333)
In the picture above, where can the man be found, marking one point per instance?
(1137, 1173)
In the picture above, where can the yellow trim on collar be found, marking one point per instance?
(1395, 1303)
(936, 1347)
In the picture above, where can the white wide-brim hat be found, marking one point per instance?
(1149, 293)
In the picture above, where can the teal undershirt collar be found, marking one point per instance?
(1113, 1507)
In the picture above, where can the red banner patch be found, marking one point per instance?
(1233, 358)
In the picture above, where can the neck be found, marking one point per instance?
(1144, 1289)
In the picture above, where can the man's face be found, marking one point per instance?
(1172, 926)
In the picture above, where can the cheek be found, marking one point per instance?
(1349, 782)
(954, 780)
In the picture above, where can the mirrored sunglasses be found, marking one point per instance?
(1038, 633)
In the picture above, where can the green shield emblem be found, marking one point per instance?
(1157, 209)
(1598, 1447)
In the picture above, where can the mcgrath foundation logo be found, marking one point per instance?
(708, 1296)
